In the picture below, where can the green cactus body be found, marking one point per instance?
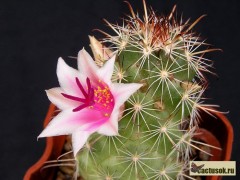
(158, 122)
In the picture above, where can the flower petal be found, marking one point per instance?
(67, 78)
(86, 65)
(56, 97)
(79, 138)
(105, 73)
(60, 125)
(67, 121)
(110, 128)
(122, 92)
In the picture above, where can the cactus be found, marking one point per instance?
(157, 123)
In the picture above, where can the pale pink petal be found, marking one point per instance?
(105, 73)
(86, 65)
(79, 138)
(56, 97)
(67, 78)
(122, 92)
(68, 121)
(110, 128)
(60, 125)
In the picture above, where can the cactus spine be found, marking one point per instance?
(158, 123)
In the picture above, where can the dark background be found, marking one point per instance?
(33, 34)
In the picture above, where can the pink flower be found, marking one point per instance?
(89, 101)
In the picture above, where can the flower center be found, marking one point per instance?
(103, 98)
(98, 97)
(88, 96)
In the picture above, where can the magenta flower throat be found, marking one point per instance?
(96, 97)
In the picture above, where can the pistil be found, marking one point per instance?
(89, 95)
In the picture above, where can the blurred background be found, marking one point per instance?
(33, 34)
